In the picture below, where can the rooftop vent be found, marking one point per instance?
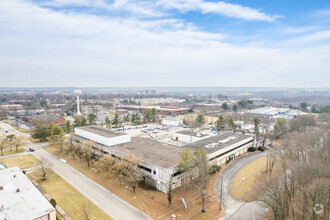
(227, 139)
(212, 145)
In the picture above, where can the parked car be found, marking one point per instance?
(31, 149)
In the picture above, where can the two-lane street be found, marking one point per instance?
(103, 198)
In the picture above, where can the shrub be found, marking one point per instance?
(261, 149)
(251, 149)
(214, 168)
(53, 202)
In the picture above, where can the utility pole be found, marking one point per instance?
(221, 190)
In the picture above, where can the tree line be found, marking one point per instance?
(125, 169)
(299, 186)
(10, 141)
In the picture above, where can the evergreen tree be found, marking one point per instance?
(116, 120)
(221, 123)
(232, 124)
(235, 108)
(107, 122)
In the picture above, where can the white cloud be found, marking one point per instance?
(222, 8)
(41, 47)
(315, 37)
(300, 30)
(161, 8)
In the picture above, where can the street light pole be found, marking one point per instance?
(243, 179)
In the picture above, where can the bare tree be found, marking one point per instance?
(201, 163)
(299, 188)
(3, 143)
(105, 163)
(129, 171)
(58, 141)
(45, 168)
(86, 208)
(19, 141)
(170, 190)
(88, 155)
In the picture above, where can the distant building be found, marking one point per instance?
(29, 112)
(163, 110)
(46, 119)
(157, 160)
(20, 199)
(149, 92)
(273, 112)
(172, 121)
(12, 107)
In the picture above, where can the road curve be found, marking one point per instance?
(234, 208)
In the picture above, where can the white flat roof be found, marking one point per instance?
(27, 204)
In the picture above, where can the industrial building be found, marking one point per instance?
(102, 135)
(11, 107)
(163, 110)
(159, 160)
(272, 112)
(172, 121)
(224, 146)
(20, 199)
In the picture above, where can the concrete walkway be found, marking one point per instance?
(14, 155)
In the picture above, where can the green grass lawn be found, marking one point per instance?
(68, 197)
(22, 161)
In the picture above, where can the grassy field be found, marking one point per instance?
(7, 151)
(68, 197)
(22, 161)
(250, 173)
(149, 200)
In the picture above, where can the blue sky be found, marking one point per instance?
(282, 43)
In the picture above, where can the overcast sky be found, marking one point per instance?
(282, 43)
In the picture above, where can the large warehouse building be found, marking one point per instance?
(159, 160)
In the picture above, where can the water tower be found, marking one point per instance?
(78, 92)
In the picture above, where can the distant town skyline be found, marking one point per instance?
(183, 43)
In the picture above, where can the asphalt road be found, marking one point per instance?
(101, 197)
(236, 209)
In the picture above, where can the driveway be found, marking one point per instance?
(234, 208)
